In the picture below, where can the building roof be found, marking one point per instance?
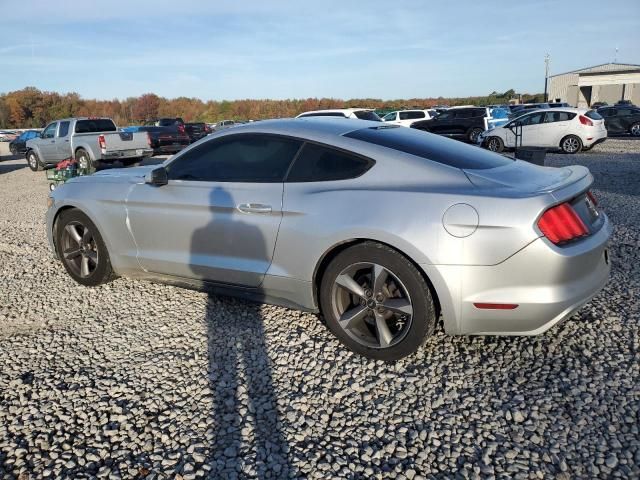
(604, 67)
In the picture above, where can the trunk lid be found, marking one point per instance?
(527, 178)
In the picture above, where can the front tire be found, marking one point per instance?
(571, 144)
(495, 144)
(33, 161)
(81, 249)
(635, 129)
(376, 302)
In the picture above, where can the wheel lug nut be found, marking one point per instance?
(379, 297)
(368, 293)
(380, 310)
(363, 302)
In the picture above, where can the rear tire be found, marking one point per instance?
(571, 144)
(33, 161)
(376, 302)
(81, 249)
(495, 144)
(474, 133)
(84, 161)
(635, 129)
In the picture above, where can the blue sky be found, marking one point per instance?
(297, 49)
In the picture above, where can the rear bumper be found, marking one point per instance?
(548, 283)
(124, 154)
(594, 138)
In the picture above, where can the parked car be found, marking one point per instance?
(224, 124)
(621, 119)
(19, 145)
(355, 113)
(196, 130)
(523, 108)
(463, 123)
(87, 139)
(328, 224)
(8, 135)
(165, 140)
(598, 105)
(559, 105)
(570, 129)
(405, 118)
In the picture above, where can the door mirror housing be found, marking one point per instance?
(157, 177)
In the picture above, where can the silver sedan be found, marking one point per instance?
(382, 229)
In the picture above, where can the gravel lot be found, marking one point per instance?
(134, 380)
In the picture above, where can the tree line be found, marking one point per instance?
(33, 108)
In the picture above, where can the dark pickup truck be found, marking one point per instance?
(197, 130)
(168, 139)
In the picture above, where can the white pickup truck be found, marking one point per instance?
(89, 140)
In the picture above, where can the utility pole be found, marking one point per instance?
(546, 76)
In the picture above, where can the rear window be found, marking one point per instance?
(95, 125)
(432, 147)
(367, 115)
(593, 115)
(323, 114)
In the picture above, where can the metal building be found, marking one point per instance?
(609, 82)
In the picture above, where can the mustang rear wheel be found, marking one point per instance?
(376, 302)
(82, 250)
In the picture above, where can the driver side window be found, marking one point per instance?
(50, 131)
(237, 158)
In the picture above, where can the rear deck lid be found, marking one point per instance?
(527, 178)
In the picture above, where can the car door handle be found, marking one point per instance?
(254, 208)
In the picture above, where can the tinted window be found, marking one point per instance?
(411, 115)
(367, 115)
(64, 129)
(95, 125)
(533, 119)
(463, 113)
(625, 112)
(551, 117)
(431, 147)
(593, 115)
(320, 164)
(238, 158)
(607, 112)
(50, 131)
(390, 116)
(323, 114)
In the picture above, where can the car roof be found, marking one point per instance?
(339, 110)
(306, 127)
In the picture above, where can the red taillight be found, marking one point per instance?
(593, 198)
(206, 128)
(561, 224)
(585, 121)
(181, 129)
(148, 139)
(101, 141)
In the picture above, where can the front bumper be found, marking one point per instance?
(548, 283)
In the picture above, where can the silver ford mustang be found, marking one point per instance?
(383, 229)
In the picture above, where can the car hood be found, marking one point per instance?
(117, 175)
(527, 178)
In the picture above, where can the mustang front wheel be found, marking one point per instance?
(82, 250)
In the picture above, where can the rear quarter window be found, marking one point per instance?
(317, 163)
(431, 147)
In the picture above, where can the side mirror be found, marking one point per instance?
(157, 177)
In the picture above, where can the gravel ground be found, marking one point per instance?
(135, 380)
